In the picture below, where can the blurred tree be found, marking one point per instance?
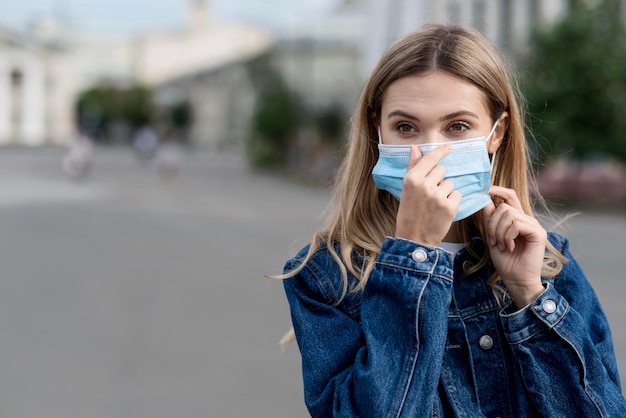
(278, 115)
(331, 123)
(181, 119)
(98, 108)
(575, 83)
(182, 114)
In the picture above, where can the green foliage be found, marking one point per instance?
(181, 115)
(278, 115)
(101, 106)
(331, 124)
(575, 83)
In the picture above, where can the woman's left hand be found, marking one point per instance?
(517, 244)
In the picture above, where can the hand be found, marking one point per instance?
(429, 203)
(517, 244)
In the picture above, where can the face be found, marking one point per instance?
(436, 107)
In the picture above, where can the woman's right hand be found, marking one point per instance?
(429, 203)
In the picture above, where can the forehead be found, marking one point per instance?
(434, 92)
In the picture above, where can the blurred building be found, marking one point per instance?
(507, 23)
(35, 106)
(322, 59)
(44, 69)
(205, 66)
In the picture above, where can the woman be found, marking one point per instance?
(432, 290)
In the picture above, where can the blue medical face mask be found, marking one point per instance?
(467, 167)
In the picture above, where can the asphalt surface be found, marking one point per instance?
(128, 294)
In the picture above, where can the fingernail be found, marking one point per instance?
(491, 240)
(501, 246)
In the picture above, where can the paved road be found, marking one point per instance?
(129, 295)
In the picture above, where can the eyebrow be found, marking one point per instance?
(449, 116)
(454, 115)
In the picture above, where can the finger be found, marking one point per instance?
(488, 212)
(497, 225)
(492, 222)
(513, 224)
(505, 218)
(436, 175)
(446, 188)
(510, 235)
(524, 226)
(455, 199)
(506, 195)
(415, 177)
(431, 159)
(414, 157)
(529, 228)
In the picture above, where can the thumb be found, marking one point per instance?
(488, 212)
(414, 157)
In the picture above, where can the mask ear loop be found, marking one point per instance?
(380, 136)
(493, 155)
(493, 129)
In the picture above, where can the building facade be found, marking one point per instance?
(44, 69)
(507, 23)
(34, 100)
(322, 63)
(205, 67)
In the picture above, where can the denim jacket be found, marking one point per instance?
(424, 340)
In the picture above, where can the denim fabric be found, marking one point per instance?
(424, 340)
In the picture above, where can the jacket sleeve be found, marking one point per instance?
(388, 362)
(563, 346)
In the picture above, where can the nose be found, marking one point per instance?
(432, 137)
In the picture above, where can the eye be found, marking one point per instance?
(457, 127)
(403, 127)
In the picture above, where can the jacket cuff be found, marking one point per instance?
(403, 253)
(543, 313)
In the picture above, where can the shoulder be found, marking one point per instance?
(559, 242)
(571, 280)
(320, 274)
(572, 283)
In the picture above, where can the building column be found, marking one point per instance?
(519, 21)
(377, 37)
(5, 101)
(32, 129)
(493, 21)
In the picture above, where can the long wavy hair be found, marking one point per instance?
(361, 215)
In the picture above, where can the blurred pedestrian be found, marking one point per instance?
(168, 159)
(432, 289)
(145, 143)
(78, 161)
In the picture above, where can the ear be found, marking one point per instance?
(498, 134)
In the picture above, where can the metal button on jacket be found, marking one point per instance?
(419, 255)
(485, 342)
(548, 306)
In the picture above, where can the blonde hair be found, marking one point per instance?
(361, 216)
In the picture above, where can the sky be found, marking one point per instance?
(137, 16)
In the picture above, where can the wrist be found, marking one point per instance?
(523, 296)
(421, 239)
